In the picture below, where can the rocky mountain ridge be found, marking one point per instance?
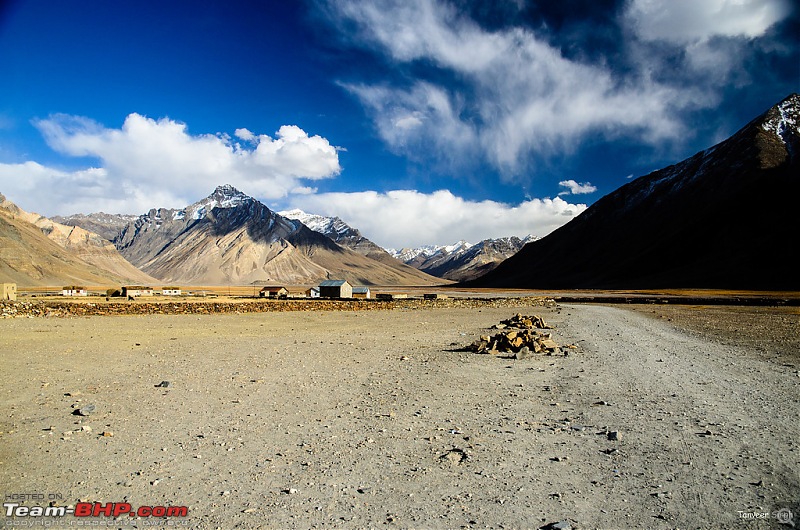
(461, 260)
(340, 232)
(231, 238)
(38, 251)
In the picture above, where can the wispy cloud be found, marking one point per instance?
(509, 96)
(409, 218)
(706, 44)
(148, 163)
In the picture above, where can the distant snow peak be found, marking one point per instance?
(426, 251)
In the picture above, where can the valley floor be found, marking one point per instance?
(660, 417)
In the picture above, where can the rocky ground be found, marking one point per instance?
(658, 417)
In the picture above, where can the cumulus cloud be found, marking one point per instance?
(409, 218)
(576, 188)
(148, 163)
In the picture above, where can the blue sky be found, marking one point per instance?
(416, 121)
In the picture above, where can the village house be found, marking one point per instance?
(335, 289)
(274, 291)
(361, 292)
(136, 290)
(170, 291)
(9, 291)
(391, 296)
(312, 292)
(73, 290)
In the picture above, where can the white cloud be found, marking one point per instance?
(244, 134)
(511, 98)
(520, 95)
(576, 188)
(687, 21)
(712, 36)
(408, 218)
(149, 163)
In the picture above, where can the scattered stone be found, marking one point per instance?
(85, 410)
(523, 353)
(107, 434)
(614, 435)
(454, 456)
(560, 525)
(163, 384)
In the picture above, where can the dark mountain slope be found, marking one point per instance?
(711, 221)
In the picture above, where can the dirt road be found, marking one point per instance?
(378, 420)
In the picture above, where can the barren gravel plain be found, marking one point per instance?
(658, 417)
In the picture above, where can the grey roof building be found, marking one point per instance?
(335, 289)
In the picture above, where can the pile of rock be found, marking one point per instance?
(521, 335)
(520, 321)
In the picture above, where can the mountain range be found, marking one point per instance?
(710, 221)
(36, 251)
(461, 261)
(706, 222)
(230, 238)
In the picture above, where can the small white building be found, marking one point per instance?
(313, 292)
(73, 290)
(170, 291)
(361, 292)
(9, 292)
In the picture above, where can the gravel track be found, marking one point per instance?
(380, 419)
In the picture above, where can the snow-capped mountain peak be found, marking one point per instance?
(428, 251)
(461, 260)
(225, 196)
(332, 227)
(782, 119)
